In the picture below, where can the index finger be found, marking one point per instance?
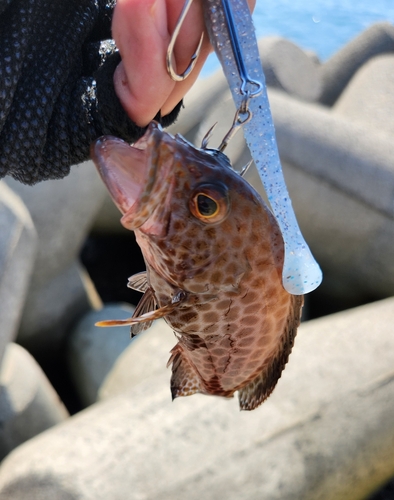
(140, 30)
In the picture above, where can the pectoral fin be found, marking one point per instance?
(258, 390)
(145, 305)
(148, 316)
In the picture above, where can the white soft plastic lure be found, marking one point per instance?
(231, 32)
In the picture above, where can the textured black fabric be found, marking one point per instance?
(56, 88)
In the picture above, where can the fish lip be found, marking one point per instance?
(129, 172)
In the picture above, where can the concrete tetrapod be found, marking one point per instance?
(28, 403)
(369, 96)
(92, 351)
(62, 211)
(339, 69)
(18, 244)
(326, 433)
(142, 359)
(287, 67)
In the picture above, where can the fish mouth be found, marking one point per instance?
(130, 173)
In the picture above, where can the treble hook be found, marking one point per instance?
(173, 74)
(239, 120)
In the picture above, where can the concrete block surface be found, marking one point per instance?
(345, 154)
(287, 67)
(28, 403)
(62, 211)
(146, 356)
(18, 245)
(339, 69)
(369, 96)
(53, 307)
(93, 351)
(326, 433)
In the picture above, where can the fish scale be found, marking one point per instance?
(216, 278)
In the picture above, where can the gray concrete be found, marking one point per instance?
(289, 68)
(339, 69)
(146, 356)
(62, 211)
(28, 403)
(347, 155)
(369, 96)
(326, 433)
(92, 351)
(53, 308)
(18, 244)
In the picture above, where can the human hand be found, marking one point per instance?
(142, 30)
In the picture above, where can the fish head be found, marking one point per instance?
(187, 206)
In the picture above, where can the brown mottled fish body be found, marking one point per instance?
(214, 258)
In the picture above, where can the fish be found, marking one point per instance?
(214, 257)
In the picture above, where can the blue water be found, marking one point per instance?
(322, 26)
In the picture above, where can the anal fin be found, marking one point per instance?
(185, 380)
(255, 392)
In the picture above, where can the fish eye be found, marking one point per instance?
(207, 206)
(209, 203)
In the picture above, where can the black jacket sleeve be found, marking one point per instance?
(56, 86)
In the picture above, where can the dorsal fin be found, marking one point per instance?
(258, 390)
(139, 282)
(184, 379)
